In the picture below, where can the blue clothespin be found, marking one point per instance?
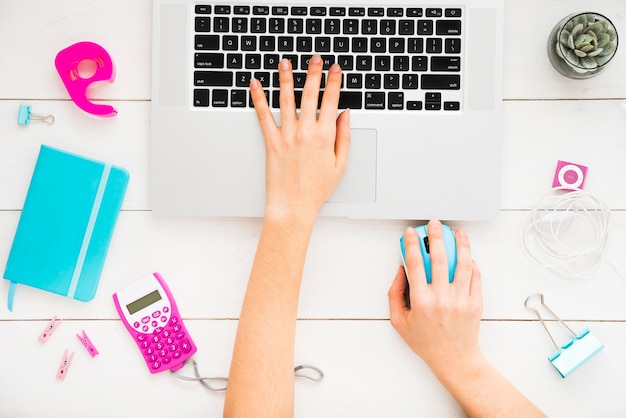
(576, 351)
(24, 116)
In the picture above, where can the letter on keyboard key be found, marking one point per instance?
(441, 82)
(213, 78)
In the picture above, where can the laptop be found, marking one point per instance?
(423, 82)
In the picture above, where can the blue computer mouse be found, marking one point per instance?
(449, 243)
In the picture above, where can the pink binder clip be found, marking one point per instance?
(50, 328)
(67, 62)
(86, 342)
(65, 365)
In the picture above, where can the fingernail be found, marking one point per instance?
(284, 64)
(254, 84)
(316, 59)
(462, 233)
(347, 117)
(435, 223)
(335, 68)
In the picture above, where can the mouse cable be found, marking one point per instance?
(566, 232)
(317, 376)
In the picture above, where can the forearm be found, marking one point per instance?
(262, 366)
(483, 392)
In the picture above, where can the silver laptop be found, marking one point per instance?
(423, 82)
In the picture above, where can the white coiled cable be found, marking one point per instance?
(566, 232)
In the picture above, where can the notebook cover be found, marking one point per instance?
(66, 224)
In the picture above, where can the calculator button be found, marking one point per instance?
(166, 309)
(170, 340)
(180, 335)
(173, 347)
(155, 338)
(154, 323)
(152, 358)
(174, 320)
(156, 314)
(136, 324)
(145, 344)
(177, 354)
(185, 346)
(145, 319)
(164, 318)
(163, 353)
(176, 328)
(166, 359)
(142, 337)
(145, 328)
(156, 365)
(158, 330)
(167, 333)
(149, 351)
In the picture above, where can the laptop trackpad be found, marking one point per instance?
(358, 183)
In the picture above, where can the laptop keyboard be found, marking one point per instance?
(393, 58)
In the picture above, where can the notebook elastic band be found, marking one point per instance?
(89, 231)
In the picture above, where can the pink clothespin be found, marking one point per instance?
(50, 328)
(67, 62)
(65, 365)
(84, 339)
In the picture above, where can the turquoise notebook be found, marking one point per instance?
(66, 225)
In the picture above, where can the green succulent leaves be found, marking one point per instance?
(586, 42)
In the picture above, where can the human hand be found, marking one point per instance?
(443, 322)
(307, 155)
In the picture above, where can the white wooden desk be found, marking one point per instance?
(344, 327)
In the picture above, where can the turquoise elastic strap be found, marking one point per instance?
(11, 295)
(89, 231)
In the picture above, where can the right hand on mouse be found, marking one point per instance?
(443, 323)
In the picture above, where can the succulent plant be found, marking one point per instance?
(586, 42)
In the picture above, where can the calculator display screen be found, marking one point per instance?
(143, 301)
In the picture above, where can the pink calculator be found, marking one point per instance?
(150, 314)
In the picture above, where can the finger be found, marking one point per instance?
(287, 100)
(311, 91)
(397, 304)
(263, 113)
(415, 265)
(476, 286)
(330, 99)
(464, 263)
(438, 257)
(342, 141)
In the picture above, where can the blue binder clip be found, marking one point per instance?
(24, 116)
(576, 351)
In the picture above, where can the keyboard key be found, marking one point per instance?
(395, 12)
(203, 24)
(337, 11)
(222, 10)
(241, 10)
(414, 105)
(280, 10)
(441, 82)
(448, 27)
(237, 99)
(424, 27)
(409, 81)
(350, 99)
(213, 78)
(395, 100)
(435, 12)
(209, 60)
(375, 11)
(203, 9)
(350, 27)
(299, 11)
(445, 63)
(354, 81)
(453, 13)
(219, 98)
(318, 11)
(356, 11)
(201, 97)
(451, 105)
(452, 46)
(260, 10)
(414, 12)
(208, 42)
(374, 100)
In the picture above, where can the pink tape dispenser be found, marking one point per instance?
(67, 62)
